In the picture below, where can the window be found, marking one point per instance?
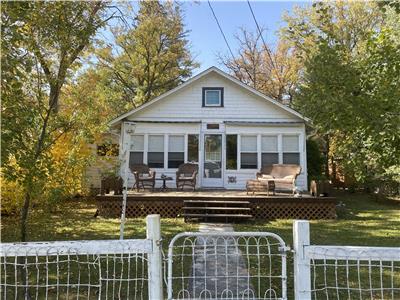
(108, 149)
(269, 150)
(137, 149)
(291, 154)
(248, 154)
(213, 97)
(231, 151)
(176, 151)
(193, 148)
(155, 154)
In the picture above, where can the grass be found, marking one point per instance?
(362, 220)
(74, 220)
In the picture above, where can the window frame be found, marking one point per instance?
(168, 152)
(137, 151)
(291, 152)
(221, 96)
(163, 152)
(251, 152)
(269, 152)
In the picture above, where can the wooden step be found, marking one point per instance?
(215, 208)
(216, 201)
(217, 215)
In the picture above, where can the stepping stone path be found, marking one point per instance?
(219, 270)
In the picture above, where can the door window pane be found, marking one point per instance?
(212, 156)
(231, 151)
(193, 148)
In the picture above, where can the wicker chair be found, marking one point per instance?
(284, 176)
(144, 177)
(186, 175)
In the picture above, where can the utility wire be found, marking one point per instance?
(220, 29)
(260, 33)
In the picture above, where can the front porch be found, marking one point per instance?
(173, 204)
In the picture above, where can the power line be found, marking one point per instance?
(220, 29)
(259, 31)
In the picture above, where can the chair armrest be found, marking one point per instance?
(194, 175)
(258, 174)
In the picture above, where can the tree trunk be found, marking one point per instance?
(24, 215)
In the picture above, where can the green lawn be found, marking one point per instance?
(74, 220)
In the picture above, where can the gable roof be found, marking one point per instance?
(197, 77)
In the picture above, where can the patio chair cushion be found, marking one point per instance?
(266, 177)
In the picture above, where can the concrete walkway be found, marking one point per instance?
(219, 270)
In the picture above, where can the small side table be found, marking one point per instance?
(164, 179)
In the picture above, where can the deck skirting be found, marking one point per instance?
(263, 208)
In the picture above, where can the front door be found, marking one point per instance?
(212, 161)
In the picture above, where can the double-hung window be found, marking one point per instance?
(136, 150)
(176, 150)
(155, 154)
(213, 97)
(248, 152)
(291, 152)
(269, 150)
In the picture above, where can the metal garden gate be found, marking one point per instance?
(228, 265)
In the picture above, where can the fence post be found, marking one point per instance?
(302, 274)
(155, 258)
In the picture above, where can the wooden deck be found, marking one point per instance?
(174, 204)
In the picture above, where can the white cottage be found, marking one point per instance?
(213, 119)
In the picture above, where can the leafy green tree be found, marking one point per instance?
(41, 49)
(349, 84)
(150, 54)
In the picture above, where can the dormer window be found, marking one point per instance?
(213, 97)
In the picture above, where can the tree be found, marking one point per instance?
(271, 71)
(150, 54)
(348, 88)
(44, 40)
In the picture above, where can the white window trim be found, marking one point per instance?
(257, 152)
(298, 135)
(212, 105)
(270, 152)
(166, 150)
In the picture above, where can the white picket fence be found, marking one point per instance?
(133, 269)
(343, 272)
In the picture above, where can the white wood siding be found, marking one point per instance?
(239, 104)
